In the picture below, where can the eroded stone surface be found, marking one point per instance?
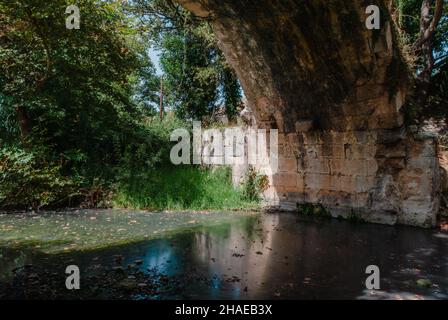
(334, 90)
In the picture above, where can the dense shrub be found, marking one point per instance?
(149, 148)
(29, 180)
(254, 184)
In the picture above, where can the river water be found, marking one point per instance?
(239, 256)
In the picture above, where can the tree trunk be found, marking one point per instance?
(24, 122)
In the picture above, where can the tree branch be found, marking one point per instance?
(427, 32)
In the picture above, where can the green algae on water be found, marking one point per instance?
(83, 230)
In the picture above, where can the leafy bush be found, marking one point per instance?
(29, 180)
(254, 184)
(149, 147)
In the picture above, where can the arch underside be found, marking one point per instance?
(335, 91)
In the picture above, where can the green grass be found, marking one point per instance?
(182, 188)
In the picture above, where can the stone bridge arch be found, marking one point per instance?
(335, 91)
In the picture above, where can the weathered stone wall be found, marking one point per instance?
(335, 92)
(386, 176)
(351, 172)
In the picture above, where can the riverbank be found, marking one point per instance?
(164, 188)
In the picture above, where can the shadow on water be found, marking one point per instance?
(280, 256)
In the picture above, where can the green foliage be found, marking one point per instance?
(354, 217)
(90, 96)
(182, 188)
(254, 184)
(232, 92)
(73, 87)
(149, 148)
(314, 210)
(84, 94)
(191, 82)
(429, 100)
(409, 21)
(198, 81)
(437, 105)
(147, 180)
(29, 180)
(305, 209)
(145, 82)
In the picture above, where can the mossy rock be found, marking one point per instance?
(424, 283)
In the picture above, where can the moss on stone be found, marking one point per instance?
(314, 210)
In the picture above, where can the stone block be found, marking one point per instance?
(317, 181)
(288, 165)
(333, 151)
(368, 92)
(361, 200)
(422, 162)
(348, 184)
(300, 182)
(313, 152)
(416, 186)
(271, 194)
(335, 183)
(336, 166)
(348, 167)
(311, 138)
(364, 183)
(285, 180)
(372, 167)
(304, 125)
(419, 149)
(317, 166)
(421, 212)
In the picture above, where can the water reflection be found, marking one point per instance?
(281, 256)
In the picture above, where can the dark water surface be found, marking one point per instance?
(267, 256)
